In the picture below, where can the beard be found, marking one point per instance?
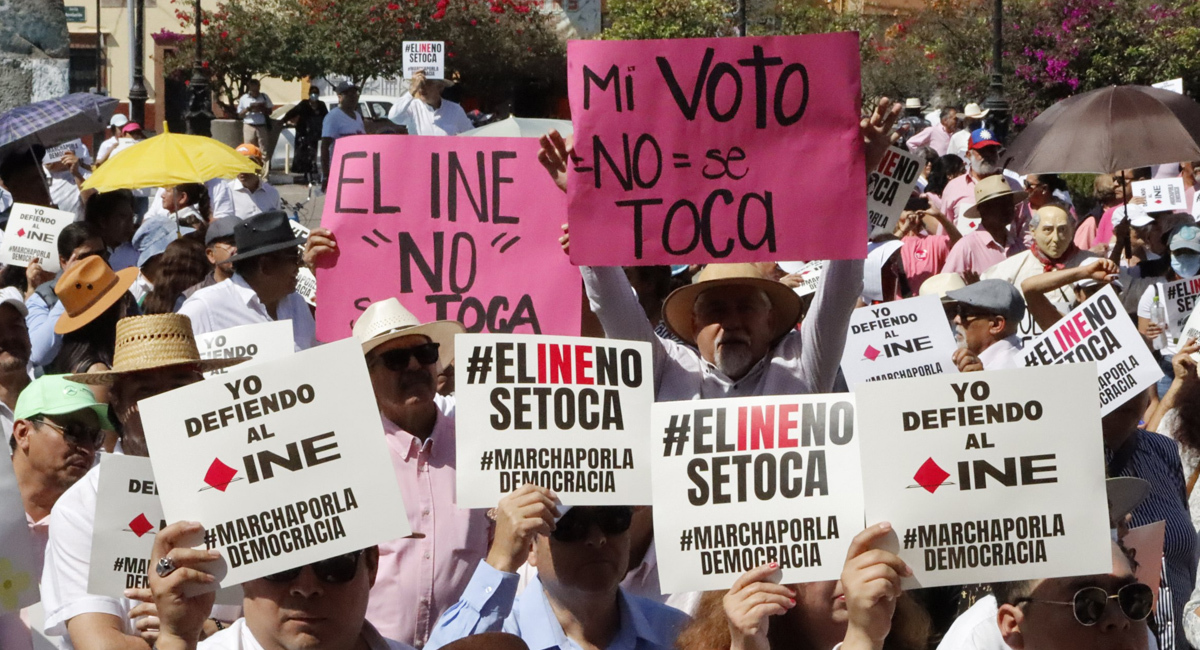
(413, 380)
(733, 356)
(982, 167)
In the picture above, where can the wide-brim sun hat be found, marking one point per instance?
(973, 112)
(155, 342)
(388, 320)
(993, 187)
(678, 307)
(87, 290)
(264, 233)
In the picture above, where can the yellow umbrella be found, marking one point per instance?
(169, 159)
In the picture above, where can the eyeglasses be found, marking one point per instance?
(335, 570)
(574, 526)
(966, 314)
(1135, 599)
(77, 432)
(397, 360)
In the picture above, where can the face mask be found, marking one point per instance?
(1186, 266)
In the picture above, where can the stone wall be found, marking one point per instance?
(34, 51)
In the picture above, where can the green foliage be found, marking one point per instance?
(648, 19)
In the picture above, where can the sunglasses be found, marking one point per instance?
(77, 432)
(1135, 599)
(575, 525)
(966, 314)
(397, 360)
(335, 570)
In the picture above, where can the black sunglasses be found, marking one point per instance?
(1136, 601)
(335, 570)
(575, 525)
(77, 432)
(397, 360)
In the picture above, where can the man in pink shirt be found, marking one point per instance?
(937, 136)
(924, 254)
(983, 160)
(418, 577)
(995, 207)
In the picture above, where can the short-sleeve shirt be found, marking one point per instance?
(977, 251)
(924, 256)
(422, 119)
(254, 117)
(246, 204)
(338, 124)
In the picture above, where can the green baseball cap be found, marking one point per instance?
(55, 395)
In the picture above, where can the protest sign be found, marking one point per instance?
(1173, 85)
(475, 220)
(745, 481)
(1191, 330)
(888, 188)
(565, 413)
(988, 476)
(1161, 194)
(1146, 545)
(810, 275)
(897, 340)
(128, 516)
(20, 560)
(284, 463)
(685, 150)
(424, 56)
(1099, 330)
(260, 342)
(32, 231)
(1179, 300)
(306, 282)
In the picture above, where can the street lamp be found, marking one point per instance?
(137, 90)
(999, 111)
(199, 115)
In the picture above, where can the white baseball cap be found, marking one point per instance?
(12, 296)
(118, 120)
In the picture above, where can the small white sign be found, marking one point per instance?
(1173, 85)
(19, 574)
(306, 282)
(128, 516)
(888, 187)
(1099, 330)
(427, 56)
(810, 275)
(746, 481)
(1161, 194)
(988, 476)
(898, 340)
(564, 413)
(1191, 330)
(32, 231)
(260, 342)
(284, 463)
(1179, 300)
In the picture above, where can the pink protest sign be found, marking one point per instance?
(459, 229)
(716, 149)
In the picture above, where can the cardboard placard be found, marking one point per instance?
(260, 342)
(685, 150)
(746, 481)
(19, 573)
(427, 56)
(988, 476)
(460, 239)
(306, 282)
(564, 413)
(1146, 544)
(283, 463)
(128, 516)
(1099, 330)
(810, 275)
(888, 188)
(898, 340)
(1161, 194)
(1179, 300)
(32, 231)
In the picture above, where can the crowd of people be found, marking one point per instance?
(144, 273)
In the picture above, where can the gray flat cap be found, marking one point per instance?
(220, 229)
(993, 296)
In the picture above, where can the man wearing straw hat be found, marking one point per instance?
(153, 355)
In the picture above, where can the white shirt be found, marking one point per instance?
(975, 629)
(122, 144)
(254, 117)
(959, 143)
(239, 637)
(246, 204)
(337, 124)
(422, 119)
(1003, 354)
(233, 302)
(106, 148)
(219, 197)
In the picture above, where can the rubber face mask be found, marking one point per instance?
(1186, 265)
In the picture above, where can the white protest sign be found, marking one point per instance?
(988, 476)
(1099, 330)
(427, 56)
(32, 231)
(284, 463)
(810, 275)
(1191, 330)
(19, 562)
(260, 342)
(566, 413)
(306, 282)
(888, 187)
(1179, 300)
(746, 481)
(1173, 85)
(1161, 194)
(897, 340)
(128, 516)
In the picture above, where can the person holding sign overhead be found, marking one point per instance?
(423, 111)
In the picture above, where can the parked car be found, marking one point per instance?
(374, 110)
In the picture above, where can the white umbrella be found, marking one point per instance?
(521, 127)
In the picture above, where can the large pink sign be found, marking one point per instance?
(716, 150)
(455, 228)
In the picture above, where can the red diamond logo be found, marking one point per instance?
(219, 475)
(140, 525)
(871, 353)
(930, 476)
(21, 232)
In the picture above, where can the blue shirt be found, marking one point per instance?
(490, 604)
(41, 319)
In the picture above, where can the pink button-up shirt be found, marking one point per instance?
(935, 137)
(976, 251)
(418, 579)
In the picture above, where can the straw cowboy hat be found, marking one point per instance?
(88, 289)
(153, 343)
(677, 308)
(387, 320)
(972, 111)
(993, 187)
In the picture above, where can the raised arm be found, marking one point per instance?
(1036, 288)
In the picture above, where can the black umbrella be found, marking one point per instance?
(1107, 130)
(54, 121)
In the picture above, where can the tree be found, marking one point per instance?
(647, 19)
